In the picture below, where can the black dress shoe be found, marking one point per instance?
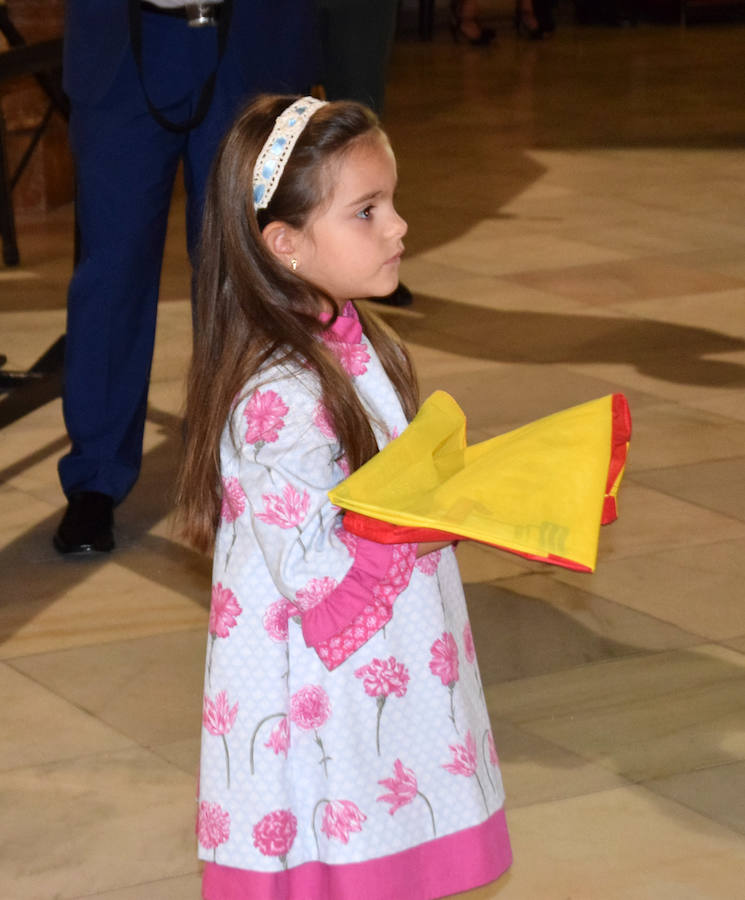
(400, 297)
(87, 525)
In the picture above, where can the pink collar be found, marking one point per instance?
(347, 327)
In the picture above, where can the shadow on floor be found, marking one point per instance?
(662, 350)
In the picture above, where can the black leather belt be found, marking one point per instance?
(196, 13)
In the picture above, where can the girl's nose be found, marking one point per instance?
(400, 225)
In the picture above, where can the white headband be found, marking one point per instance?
(276, 151)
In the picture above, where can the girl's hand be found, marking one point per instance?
(430, 546)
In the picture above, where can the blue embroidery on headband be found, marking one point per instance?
(273, 157)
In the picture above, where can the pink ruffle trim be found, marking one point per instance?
(446, 865)
(362, 604)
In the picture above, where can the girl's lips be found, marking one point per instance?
(394, 259)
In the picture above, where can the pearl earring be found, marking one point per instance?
(293, 263)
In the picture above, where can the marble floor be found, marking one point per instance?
(577, 227)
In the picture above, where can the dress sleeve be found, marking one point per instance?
(279, 463)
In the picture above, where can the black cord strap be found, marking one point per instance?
(205, 97)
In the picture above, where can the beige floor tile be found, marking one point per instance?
(104, 822)
(657, 358)
(41, 727)
(29, 455)
(623, 844)
(642, 718)
(173, 342)
(587, 616)
(182, 754)
(23, 342)
(426, 278)
(148, 689)
(514, 395)
(696, 380)
(486, 250)
(730, 404)
(716, 485)
(667, 436)
(715, 792)
(698, 589)
(189, 887)
(532, 625)
(65, 603)
(19, 512)
(627, 280)
(168, 395)
(537, 771)
(650, 521)
(717, 311)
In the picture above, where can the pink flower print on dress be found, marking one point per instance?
(468, 644)
(218, 718)
(263, 414)
(340, 819)
(444, 664)
(287, 511)
(403, 789)
(314, 592)
(224, 612)
(279, 739)
(348, 539)
(233, 500)
(322, 422)
(276, 620)
(310, 708)
(275, 834)
(276, 741)
(493, 758)
(213, 826)
(353, 357)
(381, 678)
(428, 564)
(464, 758)
(464, 762)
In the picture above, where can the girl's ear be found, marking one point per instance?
(281, 240)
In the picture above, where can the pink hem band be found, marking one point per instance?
(443, 866)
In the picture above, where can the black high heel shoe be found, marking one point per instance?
(532, 31)
(485, 35)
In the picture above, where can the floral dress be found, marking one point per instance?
(346, 747)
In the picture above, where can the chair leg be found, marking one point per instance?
(7, 218)
(426, 19)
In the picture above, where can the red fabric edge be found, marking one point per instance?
(446, 865)
(619, 446)
(386, 533)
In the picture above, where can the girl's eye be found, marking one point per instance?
(365, 213)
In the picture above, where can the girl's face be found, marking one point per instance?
(352, 246)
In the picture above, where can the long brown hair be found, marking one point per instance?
(250, 308)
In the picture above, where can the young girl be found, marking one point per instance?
(346, 748)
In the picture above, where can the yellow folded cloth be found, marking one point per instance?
(541, 491)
